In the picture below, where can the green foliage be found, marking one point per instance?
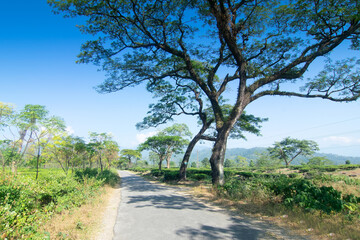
(25, 203)
(319, 161)
(107, 176)
(251, 189)
(199, 176)
(290, 148)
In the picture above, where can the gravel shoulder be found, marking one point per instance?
(106, 230)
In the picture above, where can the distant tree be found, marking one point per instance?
(193, 165)
(319, 161)
(163, 145)
(5, 151)
(229, 163)
(130, 155)
(6, 114)
(241, 162)
(111, 152)
(347, 162)
(63, 149)
(99, 141)
(289, 148)
(205, 163)
(264, 159)
(43, 134)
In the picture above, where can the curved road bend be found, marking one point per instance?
(155, 212)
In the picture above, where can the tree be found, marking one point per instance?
(205, 163)
(62, 149)
(99, 141)
(31, 123)
(129, 155)
(264, 159)
(6, 114)
(180, 130)
(290, 148)
(319, 161)
(263, 46)
(5, 151)
(163, 145)
(43, 133)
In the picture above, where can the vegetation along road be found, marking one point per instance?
(153, 211)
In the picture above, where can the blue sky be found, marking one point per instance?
(37, 66)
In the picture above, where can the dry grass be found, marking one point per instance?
(311, 224)
(82, 223)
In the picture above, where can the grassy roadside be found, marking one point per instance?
(252, 199)
(83, 223)
(55, 206)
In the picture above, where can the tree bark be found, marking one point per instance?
(190, 148)
(217, 158)
(168, 158)
(37, 162)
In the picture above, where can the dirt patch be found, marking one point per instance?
(92, 221)
(354, 173)
(105, 230)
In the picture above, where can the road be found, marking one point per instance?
(150, 211)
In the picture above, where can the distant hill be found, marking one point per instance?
(203, 152)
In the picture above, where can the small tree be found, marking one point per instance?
(163, 145)
(205, 163)
(319, 161)
(264, 159)
(193, 165)
(99, 141)
(129, 155)
(290, 148)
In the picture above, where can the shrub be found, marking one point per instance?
(200, 176)
(25, 202)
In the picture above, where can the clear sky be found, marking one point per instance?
(37, 66)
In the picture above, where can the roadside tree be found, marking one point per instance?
(163, 145)
(130, 155)
(262, 47)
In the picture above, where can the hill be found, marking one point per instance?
(231, 153)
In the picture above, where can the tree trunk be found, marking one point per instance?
(160, 163)
(217, 159)
(101, 165)
(190, 148)
(168, 158)
(37, 163)
(161, 159)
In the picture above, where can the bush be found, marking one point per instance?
(200, 177)
(171, 175)
(305, 194)
(25, 202)
(107, 176)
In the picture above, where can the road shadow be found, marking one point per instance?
(154, 195)
(241, 229)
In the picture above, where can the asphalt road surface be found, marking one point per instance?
(150, 211)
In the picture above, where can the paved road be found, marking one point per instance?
(150, 211)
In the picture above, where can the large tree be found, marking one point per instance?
(261, 46)
(185, 99)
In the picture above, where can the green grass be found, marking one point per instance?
(26, 203)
